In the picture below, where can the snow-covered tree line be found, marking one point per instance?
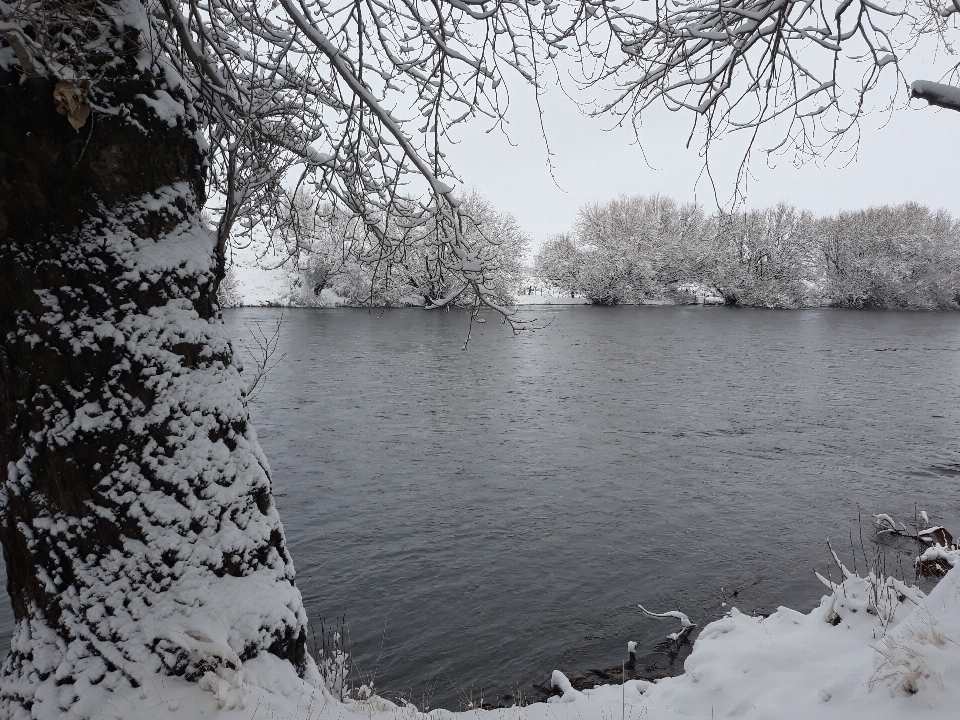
(326, 254)
(638, 248)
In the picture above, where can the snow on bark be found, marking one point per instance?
(945, 96)
(136, 514)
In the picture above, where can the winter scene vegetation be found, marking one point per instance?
(146, 143)
(641, 248)
(651, 249)
(326, 255)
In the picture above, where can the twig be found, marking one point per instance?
(262, 356)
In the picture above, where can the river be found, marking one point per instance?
(483, 517)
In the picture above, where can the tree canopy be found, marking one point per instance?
(358, 99)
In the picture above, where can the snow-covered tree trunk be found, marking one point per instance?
(136, 516)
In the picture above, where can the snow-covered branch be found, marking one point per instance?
(945, 96)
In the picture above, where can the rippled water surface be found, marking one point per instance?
(484, 517)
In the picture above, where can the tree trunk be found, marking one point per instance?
(136, 515)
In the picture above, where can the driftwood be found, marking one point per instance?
(930, 536)
(940, 554)
(936, 536)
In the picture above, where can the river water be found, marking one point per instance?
(483, 517)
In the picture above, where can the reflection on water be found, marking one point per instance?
(484, 517)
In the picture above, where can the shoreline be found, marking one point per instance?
(580, 302)
(873, 649)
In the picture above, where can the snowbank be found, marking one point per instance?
(873, 649)
(538, 299)
(258, 286)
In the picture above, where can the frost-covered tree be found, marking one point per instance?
(559, 262)
(136, 514)
(317, 247)
(138, 526)
(618, 242)
(766, 257)
(498, 235)
(228, 294)
(789, 76)
(642, 243)
(333, 251)
(628, 249)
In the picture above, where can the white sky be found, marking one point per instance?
(913, 157)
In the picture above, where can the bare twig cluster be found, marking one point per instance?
(262, 349)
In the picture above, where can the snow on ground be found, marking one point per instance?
(872, 650)
(547, 299)
(258, 286)
(535, 290)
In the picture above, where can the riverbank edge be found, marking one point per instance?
(873, 649)
(579, 302)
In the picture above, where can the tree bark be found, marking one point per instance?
(136, 515)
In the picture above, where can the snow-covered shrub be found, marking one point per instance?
(333, 662)
(764, 256)
(901, 666)
(228, 294)
(876, 594)
(892, 257)
(331, 251)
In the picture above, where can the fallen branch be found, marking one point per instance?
(686, 625)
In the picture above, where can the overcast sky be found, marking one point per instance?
(911, 155)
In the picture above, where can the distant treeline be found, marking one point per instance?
(634, 249)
